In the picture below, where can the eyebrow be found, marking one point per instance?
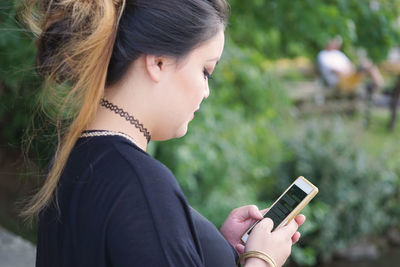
(214, 59)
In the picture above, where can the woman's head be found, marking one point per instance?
(169, 92)
(89, 45)
(159, 27)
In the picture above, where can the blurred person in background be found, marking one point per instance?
(337, 71)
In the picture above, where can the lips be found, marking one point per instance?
(194, 112)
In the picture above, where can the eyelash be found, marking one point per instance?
(207, 74)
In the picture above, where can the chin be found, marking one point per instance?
(181, 131)
(178, 133)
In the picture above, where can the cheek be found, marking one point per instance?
(182, 95)
(193, 86)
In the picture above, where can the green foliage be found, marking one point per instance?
(20, 90)
(18, 82)
(357, 191)
(282, 28)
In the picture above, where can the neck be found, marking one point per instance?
(131, 94)
(107, 119)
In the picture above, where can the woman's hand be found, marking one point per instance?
(241, 219)
(276, 244)
(237, 223)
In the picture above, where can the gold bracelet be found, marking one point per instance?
(258, 254)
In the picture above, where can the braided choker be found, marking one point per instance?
(117, 110)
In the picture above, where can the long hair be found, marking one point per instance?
(86, 45)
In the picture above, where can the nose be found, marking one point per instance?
(206, 91)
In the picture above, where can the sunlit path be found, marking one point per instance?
(15, 251)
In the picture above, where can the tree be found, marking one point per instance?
(285, 28)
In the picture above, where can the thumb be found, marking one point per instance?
(248, 212)
(266, 225)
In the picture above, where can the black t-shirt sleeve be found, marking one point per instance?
(150, 223)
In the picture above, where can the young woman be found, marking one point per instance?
(135, 71)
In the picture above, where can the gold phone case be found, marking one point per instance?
(298, 208)
(301, 205)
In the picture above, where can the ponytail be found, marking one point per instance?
(75, 43)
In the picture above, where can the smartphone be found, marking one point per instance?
(289, 204)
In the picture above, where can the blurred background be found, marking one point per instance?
(270, 118)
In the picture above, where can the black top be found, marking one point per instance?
(118, 206)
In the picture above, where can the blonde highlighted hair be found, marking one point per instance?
(75, 72)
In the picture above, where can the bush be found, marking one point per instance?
(357, 191)
(18, 83)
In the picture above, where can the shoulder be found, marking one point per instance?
(113, 168)
(342, 55)
(151, 173)
(141, 162)
(124, 178)
(111, 157)
(322, 55)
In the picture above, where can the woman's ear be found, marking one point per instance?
(155, 65)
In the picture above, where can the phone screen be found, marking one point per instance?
(285, 205)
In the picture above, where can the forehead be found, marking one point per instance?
(209, 50)
(213, 46)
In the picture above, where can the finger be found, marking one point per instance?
(255, 213)
(248, 212)
(265, 210)
(290, 228)
(240, 249)
(300, 219)
(266, 225)
(295, 237)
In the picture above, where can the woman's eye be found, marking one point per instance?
(207, 75)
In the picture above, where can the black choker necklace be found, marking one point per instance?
(107, 104)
